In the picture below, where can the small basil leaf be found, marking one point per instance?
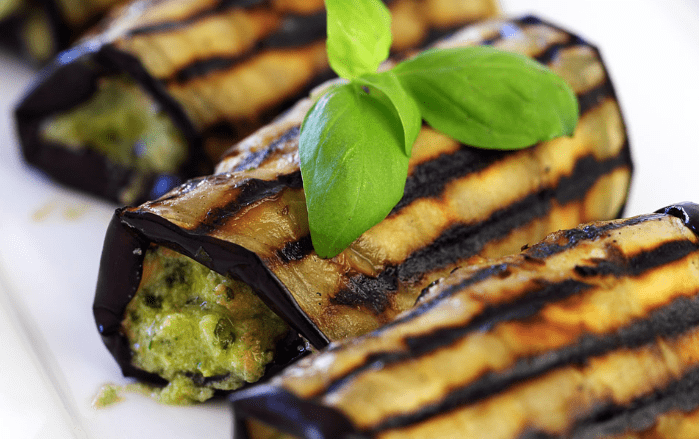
(403, 104)
(359, 36)
(489, 98)
(353, 166)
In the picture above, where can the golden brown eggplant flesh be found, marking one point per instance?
(591, 333)
(249, 220)
(206, 72)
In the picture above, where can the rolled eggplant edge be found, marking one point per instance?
(283, 411)
(70, 80)
(33, 32)
(128, 237)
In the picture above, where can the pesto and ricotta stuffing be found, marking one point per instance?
(125, 124)
(199, 330)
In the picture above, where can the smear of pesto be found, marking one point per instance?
(122, 122)
(197, 329)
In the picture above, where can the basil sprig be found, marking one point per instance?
(356, 140)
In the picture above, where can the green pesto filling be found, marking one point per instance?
(187, 323)
(122, 122)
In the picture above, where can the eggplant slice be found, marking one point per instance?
(39, 29)
(590, 333)
(248, 221)
(199, 75)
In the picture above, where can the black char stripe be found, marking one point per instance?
(428, 179)
(167, 26)
(526, 305)
(573, 237)
(640, 414)
(295, 31)
(296, 250)
(257, 158)
(253, 190)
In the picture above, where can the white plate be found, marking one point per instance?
(52, 361)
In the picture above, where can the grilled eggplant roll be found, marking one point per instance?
(39, 29)
(162, 88)
(248, 222)
(593, 332)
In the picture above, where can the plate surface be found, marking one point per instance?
(52, 360)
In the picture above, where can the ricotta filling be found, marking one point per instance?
(197, 329)
(123, 123)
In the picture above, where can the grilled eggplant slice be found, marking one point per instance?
(248, 222)
(592, 332)
(193, 76)
(39, 29)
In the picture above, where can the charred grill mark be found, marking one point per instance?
(294, 32)
(588, 170)
(298, 30)
(664, 254)
(257, 158)
(464, 240)
(369, 292)
(252, 190)
(203, 67)
(681, 314)
(673, 320)
(573, 237)
(296, 250)
(639, 415)
(549, 54)
(428, 179)
(202, 14)
(595, 96)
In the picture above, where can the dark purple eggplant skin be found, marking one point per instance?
(70, 80)
(288, 413)
(687, 211)
(305, 419)
(127, 238)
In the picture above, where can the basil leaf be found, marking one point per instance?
(353, 166)
(403, 104)
(489, 98)
(359, 36)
